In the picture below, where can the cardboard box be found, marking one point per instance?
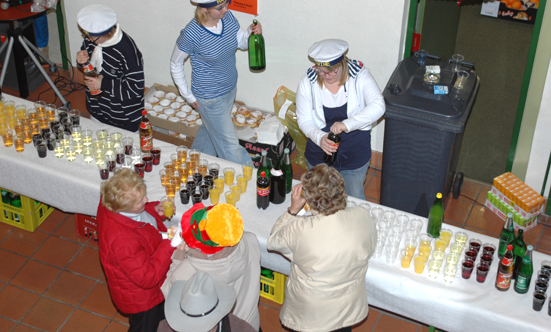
(526, 15)
(179, 127)
(255, 149)
(527, 224)
(526, 214)
(87, 226)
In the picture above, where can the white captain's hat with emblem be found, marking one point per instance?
(96, 20)
(210, 3)
(328, 52)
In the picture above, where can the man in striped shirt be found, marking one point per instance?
(119, 63)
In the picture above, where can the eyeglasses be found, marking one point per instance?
(85, 36)
(225, 5)
(326, 73)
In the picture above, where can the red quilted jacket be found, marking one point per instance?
(135, 259)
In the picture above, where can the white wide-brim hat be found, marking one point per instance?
(96, 20)
(198, 304)
(328, 52)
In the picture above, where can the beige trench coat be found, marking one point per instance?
(329, 257)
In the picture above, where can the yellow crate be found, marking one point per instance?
(273, 289)
(30, 215)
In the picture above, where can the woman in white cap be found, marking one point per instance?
(211, 40)
(201, 305)
(119, 64)
(341, 96)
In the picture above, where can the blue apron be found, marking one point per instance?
(354, 149)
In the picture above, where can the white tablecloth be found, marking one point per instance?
(465, 305)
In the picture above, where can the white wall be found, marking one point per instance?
(290, 27)
(541, 145)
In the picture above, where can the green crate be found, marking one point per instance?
(28, 217)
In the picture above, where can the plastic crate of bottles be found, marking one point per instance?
(272, 285)
(87, 226)
(25, 213)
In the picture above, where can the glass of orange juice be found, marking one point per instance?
(168, 205)
(229, 173)
(242, 181)
(419, 263)
(248, 170)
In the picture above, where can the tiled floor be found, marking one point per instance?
(52, 280)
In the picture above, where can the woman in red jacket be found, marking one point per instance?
(134, 255)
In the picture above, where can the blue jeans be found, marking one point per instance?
(217, 136)
(353, 180)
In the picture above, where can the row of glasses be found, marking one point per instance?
(541, 286)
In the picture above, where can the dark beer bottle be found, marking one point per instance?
(507, 235)
(330, 158)
(288, 170)
(146, 133)
(524, 269)
(263, 191)
(257, 54)
(263, 165)
(519, 250)
(277, 183)
(505, 270)
(436, 215)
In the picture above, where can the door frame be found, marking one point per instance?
(413, 5)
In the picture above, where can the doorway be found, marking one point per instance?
(500, 51)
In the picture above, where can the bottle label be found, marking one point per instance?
(503, 280)
(276, 172)
(521, 283)
(87, 68)
(507, 261)
(262, 191)
(146, 142)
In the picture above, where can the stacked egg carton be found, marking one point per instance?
(510, 194)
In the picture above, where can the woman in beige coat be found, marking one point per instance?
(329, 253)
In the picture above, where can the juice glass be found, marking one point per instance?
(446, 235)
(168, 206)
(406, 258)
(242, 181)
(230, 198)
(219, 182)
(424, 251)
(434, 268)
(182, 151)
(440, 245)
(229, 173)
(248, 170)
(214, 195)
(419, 263)
(236, 189)
(8, 138)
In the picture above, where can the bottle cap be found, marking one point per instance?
(530, 247)
(509, 247)
(286, 150)
(439, 195)
(264, 153)
(263, 174)
(509, 214)
(144, 112)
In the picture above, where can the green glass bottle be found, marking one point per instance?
(519, 250)
(263, 165)
(16, 202)
(6, 199)
(507, 235)
(524, 272)
(257, 55)
(436, 215)
(288, 170)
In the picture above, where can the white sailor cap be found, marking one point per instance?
(210, 3)
(96, 20)
(328, 52)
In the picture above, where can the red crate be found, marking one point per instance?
(87, 226)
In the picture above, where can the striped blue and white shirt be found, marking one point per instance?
(212, 58)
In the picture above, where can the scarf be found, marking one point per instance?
(97, 54)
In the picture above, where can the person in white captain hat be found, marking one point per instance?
(211, 40)
(339, 95)
(119, 62)
(201, 305)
